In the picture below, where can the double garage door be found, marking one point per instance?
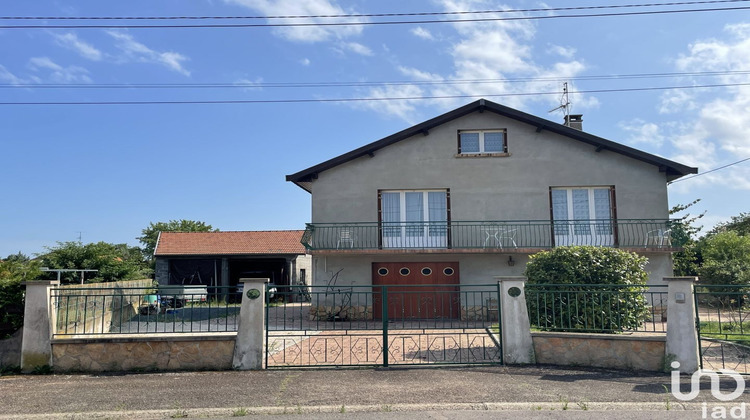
(416, 290)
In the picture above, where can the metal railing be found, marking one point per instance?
(348, 325)
(723, 314)
(168, 309)
(624, 233)
(590, 308)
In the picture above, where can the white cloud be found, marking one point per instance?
(304, 8)
(135, 51)
(642, 132)
(9, 77)
(71, 41)
(356, 48)
(423, 33)
(251, 85)
(404, 109)
(676, 101)
(305, 61)
(498, 50)
(58, 73)
(565, 52)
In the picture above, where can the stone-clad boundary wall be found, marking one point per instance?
(632, 351)
(128, 353)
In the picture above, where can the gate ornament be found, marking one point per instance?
(514, 292)
(253, 293)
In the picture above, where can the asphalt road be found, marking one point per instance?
(501, 392)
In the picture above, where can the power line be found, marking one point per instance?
(245, 85)
(406, 98)
(356, 15)
(708, 172)
(365, 23)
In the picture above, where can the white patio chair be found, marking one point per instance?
(659, 238)
(345, 237)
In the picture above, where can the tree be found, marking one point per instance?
(726, 259)
(739, 224)
(114, 261)
(684, 232)
(14, 270)
(565, 289)
(151, 233)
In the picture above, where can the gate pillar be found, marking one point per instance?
(251, 328)
(515, 330)
(39, 323)
(682, 337)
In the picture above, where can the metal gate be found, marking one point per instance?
(315, 326)
(723, 324)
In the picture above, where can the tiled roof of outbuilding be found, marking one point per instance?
(230, 243)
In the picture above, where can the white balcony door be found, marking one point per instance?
(414, 219)
(582, 216)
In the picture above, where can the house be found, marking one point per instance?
(222, 258)
(471, 194)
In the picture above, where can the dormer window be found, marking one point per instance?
(483, 142)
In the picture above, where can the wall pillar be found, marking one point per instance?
(682, 337)
(251, 327)
(39, 322)
(515, 328)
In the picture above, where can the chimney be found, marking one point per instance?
(574, 121)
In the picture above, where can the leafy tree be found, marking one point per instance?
(13, 270)
(151, 233)
(684, 232)
(739, 224)
(556, 305)
(726, 259)
(114, 261)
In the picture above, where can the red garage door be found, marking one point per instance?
(408, 298)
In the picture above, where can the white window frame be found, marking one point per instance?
(415, 236)
(481, 141)
(591, 231)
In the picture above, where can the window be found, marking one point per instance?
(583, 215)
(414, 219)
(474, 142)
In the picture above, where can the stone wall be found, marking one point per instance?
(134, 353)
(10, 350)
(616, 351)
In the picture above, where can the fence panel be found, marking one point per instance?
(723, 327)
(347, 326)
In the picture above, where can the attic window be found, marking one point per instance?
(483, 143)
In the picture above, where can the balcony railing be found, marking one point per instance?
(494, 235)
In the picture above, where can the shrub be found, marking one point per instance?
(12, 273)
(586, 289)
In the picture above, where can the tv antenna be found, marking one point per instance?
(564, 103)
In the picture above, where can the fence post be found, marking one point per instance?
(251, 327)
(515, 330)
(682, 337)
(39, 323)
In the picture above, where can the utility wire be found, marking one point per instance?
(406, 98)
(365, 23)
(708, 172)
(358, 15)
(245, 85)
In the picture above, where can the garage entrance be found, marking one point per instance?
(418, 290)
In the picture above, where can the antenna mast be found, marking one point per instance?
(564, 104)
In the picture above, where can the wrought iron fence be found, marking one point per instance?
(597, 308)
(723, 314)
(626, 233)
(420, 324)
(165, 309)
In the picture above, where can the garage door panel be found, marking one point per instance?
(417, 290)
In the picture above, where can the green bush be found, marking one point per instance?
(565, 289)
(12, 272)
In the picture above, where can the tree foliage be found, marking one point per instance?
(739, 224)
(684, 234)
(150, 234)
(114, 261)
(585, 306)
(14, 270)
(726, 259)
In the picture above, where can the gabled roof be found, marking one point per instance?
(230, 243)
(673, 169)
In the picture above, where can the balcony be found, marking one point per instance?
(517, 236)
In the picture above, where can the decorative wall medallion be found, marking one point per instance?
(514, 292)
(253, 293)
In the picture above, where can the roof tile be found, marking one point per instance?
(230, 243)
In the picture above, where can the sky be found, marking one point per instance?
(74, 165)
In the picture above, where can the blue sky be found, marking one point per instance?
(106, 171)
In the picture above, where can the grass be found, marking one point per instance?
(736, 332)
(240, 412)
